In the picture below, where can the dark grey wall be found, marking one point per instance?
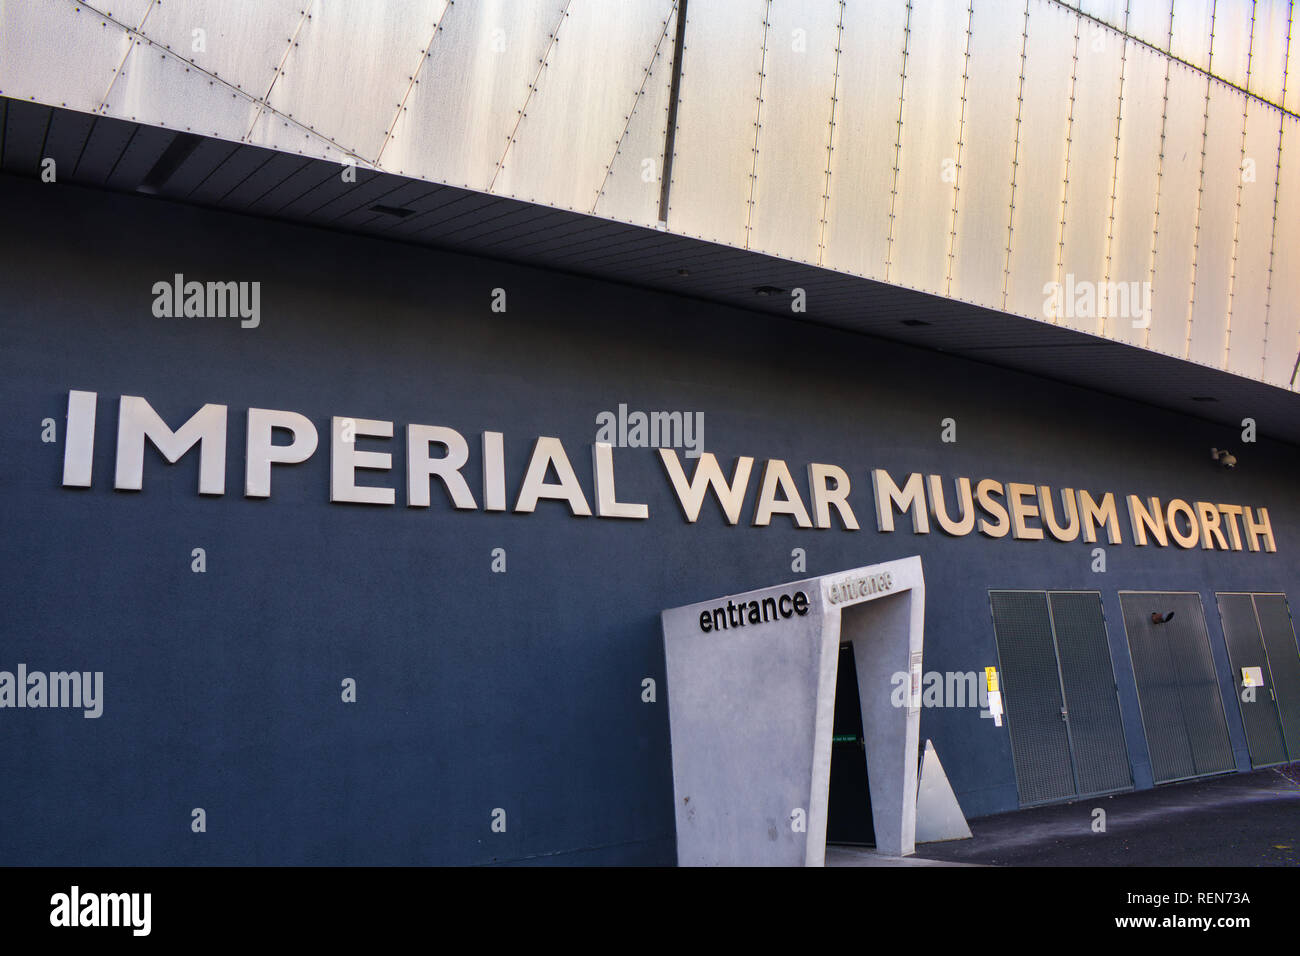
(476, 690)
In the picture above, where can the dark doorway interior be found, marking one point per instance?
(848, 817)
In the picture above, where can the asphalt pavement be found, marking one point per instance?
(1240, 819)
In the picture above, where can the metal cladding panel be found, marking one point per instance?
(1150, 20)
(472, 89)
(1111, 12)
(562, 103)
(628, 192)
(157, 88)
(1180, 178)
(987, 153)
(1137, 185)
(868, 96)
(1252, 257)
(794, 130)
(1283, 343)
(57, 52)
(130, 12)
(241, 43)
(1031, 687)
(1292, 95)
(1230, 51)
(1178, 689)
(1216, 227)
(1193, 24)
(1259, 716)
(927, 158)
(276, 131)
(350, 66)
(1268, 49)
(1096, 729)
(575, 118)
(717, 120)
(1278, 632)
(1091, 170)
(1040, 167)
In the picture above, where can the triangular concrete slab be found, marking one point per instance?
(938, 814)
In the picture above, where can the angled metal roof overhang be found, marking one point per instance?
(103, 152)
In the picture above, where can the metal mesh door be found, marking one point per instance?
(1182, 711)
(1095, 728)
(1284, 662)
(1259, 715)
(1031, 687)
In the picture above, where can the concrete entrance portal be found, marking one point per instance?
(751, 705)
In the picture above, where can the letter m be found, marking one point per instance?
(910, 497)
(137, 421)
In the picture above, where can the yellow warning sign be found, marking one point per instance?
(991, 675)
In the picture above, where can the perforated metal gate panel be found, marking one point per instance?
(1058, 686)
(1178, 690)
(1284, 661)
(1096, 730)
(1162, 710)
(1031, 690)
(1259, 714)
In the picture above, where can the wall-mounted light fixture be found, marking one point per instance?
(1224, 457)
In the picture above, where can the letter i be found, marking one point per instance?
(79, 440)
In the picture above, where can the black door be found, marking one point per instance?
(848, 814)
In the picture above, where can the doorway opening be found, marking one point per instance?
(848, 812)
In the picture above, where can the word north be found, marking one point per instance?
(208, 300)
(75, 908)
